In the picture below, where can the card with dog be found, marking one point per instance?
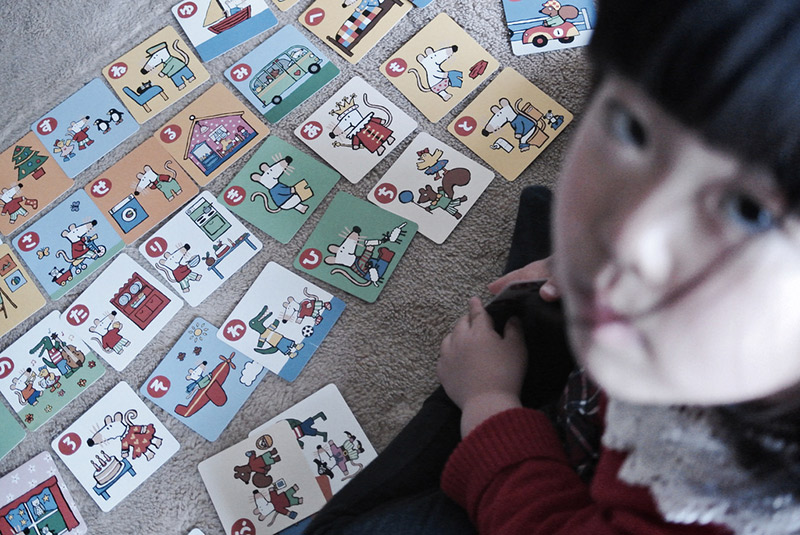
(200, 248)
(356, 246)
(12, 433)
(433, 185)
(85, 127)
(44, 369)
(510, 123)
(355, 129)
(121, 311)
(155, 74)
(544, 25)
(279, 188)
(141, 190)
(437, 68)
(115, 446)
(202, 381)
(36, 500)
(216, 26)
(19, 296)
(67, 244)
(211, 133)
(281, 321)
(262, 484)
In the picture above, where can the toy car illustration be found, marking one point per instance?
(539, 36)
(287, 69)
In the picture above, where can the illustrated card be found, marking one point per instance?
(121, 311)
(155, 74)
(12, 433)
(200, 248)
(281, 73)
(353, 27)
(510, 123)
(540, 26)
(262, 484)
(19, 296)
(216, 26)
(279, 188)
(433, 185)
(284, 5)
(211, 133)
(141, 190)
(44, 369)
(355, 129)
(67, 244)
(356, 246)
(115, 446)
(202, 381)
(439, 67)
(35, 500)
(281, 321)
(85, 127)
(31, 180)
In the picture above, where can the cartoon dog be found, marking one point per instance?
(108, 328)
(166, 184)
(283, 196)
(367, 265)
(178, 268)
(526, 121)
(135, 440)
(438, 79)
(269, 336)
(177, 68)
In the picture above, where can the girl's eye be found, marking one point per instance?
(626, 127)
(750, 213)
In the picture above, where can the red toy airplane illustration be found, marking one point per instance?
(211, 390)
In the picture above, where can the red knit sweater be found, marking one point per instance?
(512, 477)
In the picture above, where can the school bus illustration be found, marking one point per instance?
(287, 69)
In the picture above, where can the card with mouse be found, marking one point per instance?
(543, 25)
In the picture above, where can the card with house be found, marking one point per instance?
(279, 188)
(281, 73)
(155, 74)
(37, 501)
(544, 25)
(67, 244)
(510, 123)
(356, 246)
(141, 190)
(281, 321)
(262, 484)
(84, 127)
(216, 26)
(200, 248)
(355, 129)
(44, 369)
(12, 433)
(115, 446)
(433, 185)
(121, 311)
(19, 296)
(438, 67)
(31, 180)
(211, 133)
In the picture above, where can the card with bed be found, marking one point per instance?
(281, 321)
(536, 26)
(279, 188)
(44, 369)
(200, 248)
(262, 484)
(141, 190)
(12, 433)
(121, 311)
(115, 446)
(355, 129)
(438, 67)
(356, 246)
(433, 185)
(202, 381)
(211, 133)
(216, 26)
(155, 74)
(67, 244)
(510, 123)
(19, 296)
(85, 127)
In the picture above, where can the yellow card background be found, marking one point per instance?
(16, 305)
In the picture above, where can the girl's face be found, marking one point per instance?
(678, 265)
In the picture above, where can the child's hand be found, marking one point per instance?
(481, 371)
(539, 269)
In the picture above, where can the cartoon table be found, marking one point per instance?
(244, 238)
(103, 491)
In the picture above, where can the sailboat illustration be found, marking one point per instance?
(225, 14)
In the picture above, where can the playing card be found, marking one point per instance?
(121, 311)
(543, 25)
(202, 381)
(284, 5)
(200, 248)
(281, 321)
(19, 296)
(279, 188)
(12, 432)
(45, 369)
(85, 127)
(115, 446)
(356, 246)
(433, 185)
(355, 129)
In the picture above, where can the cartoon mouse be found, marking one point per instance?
(178, 268)
(165, 183)
(437, 78)
(78, 132)
(283, 196)
(108, 329)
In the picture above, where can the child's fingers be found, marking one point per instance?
(549, 291)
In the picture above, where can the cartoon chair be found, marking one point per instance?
(146, 96)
